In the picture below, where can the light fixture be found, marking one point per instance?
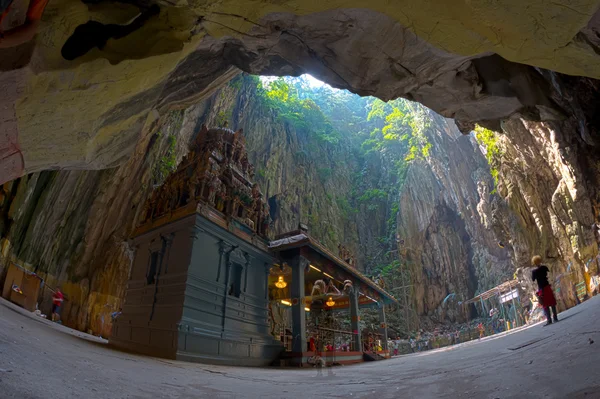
(280, 283)
(330, 302)
(307, 309)
(284, 302)
(328, 275)
(312, 267)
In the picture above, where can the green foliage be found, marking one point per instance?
(236, 83)
(345, 206)
(493, 153)
(168, 162)
(175, 120)
(373, 194)
(332, 235)
(261, 172)
(224, 116)
(324, 173)
(391, 222)
(380, 139)
(304, 114)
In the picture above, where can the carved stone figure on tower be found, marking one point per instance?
(216, 173)
(214, 187)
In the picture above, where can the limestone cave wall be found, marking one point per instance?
(548, 187)
(446, 241)
(72, 226)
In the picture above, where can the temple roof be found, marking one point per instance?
(304, 240)
(215, 179)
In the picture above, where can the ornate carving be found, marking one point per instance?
(345, 255)
(217, 173)
(348, 287)
(213, 188)
(319, 288)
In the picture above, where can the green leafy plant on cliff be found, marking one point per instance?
(493, 153)
(399, 134)
(236, 83)
(302, 113)
(324, 173)
(373, 194)
(166, 164)
(347, 209)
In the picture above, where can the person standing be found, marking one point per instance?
(545, 293)
(481, 329)
(57, 300)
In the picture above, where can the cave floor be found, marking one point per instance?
(42, 361)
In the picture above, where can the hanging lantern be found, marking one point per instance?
(280, 283)
(330, 302)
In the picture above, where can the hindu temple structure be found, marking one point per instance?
(198, 288)
(311, 287)
(207, 285)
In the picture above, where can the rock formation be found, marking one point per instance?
(471, 61)
(443, 225)
(548, 179)
(72, 226)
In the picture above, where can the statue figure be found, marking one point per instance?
(213, 188)
(256, 191)
(351, 260)
(347, 287)
(266, 220)
(201, 136)
(379, 281)
(319, 288)
(244, 163)
(221, 198)
(178, 189)
(162, 205)
(344, 253)
(148, 209)
(192, 185)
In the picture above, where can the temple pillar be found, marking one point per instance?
(383, 326)
(354, 320)
(298, 265)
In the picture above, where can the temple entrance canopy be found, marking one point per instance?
(309, 279)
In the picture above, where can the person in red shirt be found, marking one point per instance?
(544, 293)
(57, 300)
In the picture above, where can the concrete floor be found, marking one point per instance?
(41, 360)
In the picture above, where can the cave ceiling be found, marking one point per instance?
(71, 102)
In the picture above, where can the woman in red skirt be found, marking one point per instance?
(545, 293)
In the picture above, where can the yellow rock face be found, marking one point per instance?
(532, 32)
(90, 113)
